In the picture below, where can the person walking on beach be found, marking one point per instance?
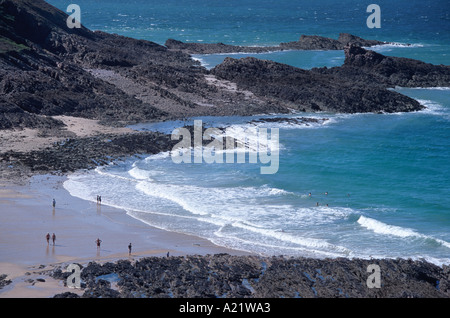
(48, 238)
(54, 203)
(129, 249)
(98, 241)
(53, 239)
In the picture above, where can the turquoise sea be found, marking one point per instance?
(360, 185)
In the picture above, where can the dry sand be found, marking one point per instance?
(27, 139)
(27, 215)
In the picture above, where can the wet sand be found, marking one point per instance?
(27, 215)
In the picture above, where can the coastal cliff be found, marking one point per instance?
(48, 70)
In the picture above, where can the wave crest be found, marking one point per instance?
(386, 229)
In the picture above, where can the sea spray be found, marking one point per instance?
(253, 141)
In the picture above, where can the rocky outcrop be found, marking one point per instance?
(347, 39)
(357, 86)
(306, 42)
(47, 69)
(311, 91)
(315, 42)
(74, 154)
(227, 276)
(216, 48)
(46, 76)
(43, 73)
(371, 67)
(4, 281)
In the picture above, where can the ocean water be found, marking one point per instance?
(360, 185)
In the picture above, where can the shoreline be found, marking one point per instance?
(27, 216)
(35, 269)
(25, 257)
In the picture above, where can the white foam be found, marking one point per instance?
(102, 171)
(382, 228)
(438, 88)
(140, 174)
(268, 248)
(202, 62)
(291, 125)
(275, 191)
(258, 218)
(432, 108)
(75, 186)
(383, 47)
(249, 139)
(176, 194)
(160, 155)
(386, 229)
(311, 243)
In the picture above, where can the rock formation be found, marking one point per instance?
(311, 91)
(306, 42)
(371, 67)
(47, 69)
(227, 276)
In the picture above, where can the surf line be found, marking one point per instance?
(231, 143)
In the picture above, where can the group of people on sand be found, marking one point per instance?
(53, 237)
(98, 241)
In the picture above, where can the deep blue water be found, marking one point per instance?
(386, 176)
(264, 22)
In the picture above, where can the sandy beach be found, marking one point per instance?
(69, 95)
(27, 216)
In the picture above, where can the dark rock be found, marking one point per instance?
(66, 295)
(3, 281)
(371, 67)
(310, 90)
(313, 42)
(215, 48)
(348, 39)
(89, 152)
(47, 69)
(228, 276)
(306, 42)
